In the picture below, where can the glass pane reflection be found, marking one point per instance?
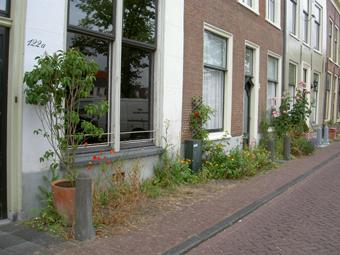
(97, 50)
(135, 94)
(92, 15)
(139, 20)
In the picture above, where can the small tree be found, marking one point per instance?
(56, 85)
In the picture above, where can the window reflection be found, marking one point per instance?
(139, 20)
(92, 15)
(135, 94)
(97, 50)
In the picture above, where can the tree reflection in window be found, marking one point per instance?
(97, 50)
(139, 20)
(135, 94)
(94, 15)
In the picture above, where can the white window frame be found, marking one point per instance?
(335, 96)
(330, 39)
(254, 107)
(278, 93)
(277, 13)
(307, 66)
(321, 29)
(317, 95)
(228, 81)
(254, 8)
(308, 42)
(296, 81)
(328, 113)
(295, 35)
(336, 53)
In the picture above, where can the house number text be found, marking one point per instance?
(36, 43)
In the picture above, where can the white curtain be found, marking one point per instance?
(213, 96)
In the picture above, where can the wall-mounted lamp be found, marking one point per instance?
(315, 85)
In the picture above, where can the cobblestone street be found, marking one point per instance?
(303, 220)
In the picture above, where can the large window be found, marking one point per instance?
(328, 94)
(292, 83)
(336, 45)
(91, 29)
(273, 12)
(272, 76)
(292, 8)
(317, 27)
(305, 21)
(215, 68)
(330, 39)
(4, 7)
(314, 97)
(338, 111)
(253, 5)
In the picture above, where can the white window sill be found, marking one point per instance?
(306, 44)
(294, 36)
(256, 11)
(317, 51)
(337, 64)
(218, 136)
(276, 25)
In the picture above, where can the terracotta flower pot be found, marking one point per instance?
(64, 198)
(332, 133)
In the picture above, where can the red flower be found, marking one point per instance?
(111, 152)
(196, 115)
(94, 157)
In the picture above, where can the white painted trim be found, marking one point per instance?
(277, 14)
(330, 56)
(335, 91)
(254, 104)
(254, 9)
(328, 114)
(305, 65)
(318, 96)
(14, 109)
(228, 79)
(279, 76)
(336, 54)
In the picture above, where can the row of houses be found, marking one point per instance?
(240, 56)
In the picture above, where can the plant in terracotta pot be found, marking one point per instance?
(56, 86)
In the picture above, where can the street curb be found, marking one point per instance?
(203, 236)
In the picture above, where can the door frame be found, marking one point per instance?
(3, 126)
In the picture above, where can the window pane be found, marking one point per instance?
(3, 5)
(215, 50)
(305, 5)
(304, 75)
(317, 14)
(248, 63)
(305, 27)
(271, 94)
(248, 2)
(328, 82)
(135, 103)
(139, 20)
(272, 69)
(316, 37)
(213, 96)
(92, 15)
(97, 50)
(292, 16)
(292, 74)
(292, 96)
(271, 10)
(335, 49)
(330, 38)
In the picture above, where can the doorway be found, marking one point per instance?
(3, 120)
(246, 110)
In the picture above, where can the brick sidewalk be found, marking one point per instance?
(167, 230)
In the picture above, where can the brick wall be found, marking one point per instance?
(244, 24)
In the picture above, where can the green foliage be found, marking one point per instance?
(56, 86)
(199, 116)
(237, 164)
(300, 113)
(282, 123)
(302, 147)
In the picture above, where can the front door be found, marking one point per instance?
(3, 120)
(246, 110)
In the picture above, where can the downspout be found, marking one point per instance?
(284, 37)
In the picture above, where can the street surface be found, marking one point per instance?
(303, 220)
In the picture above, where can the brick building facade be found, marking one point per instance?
(245, 24)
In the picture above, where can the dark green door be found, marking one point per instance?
(3, 119)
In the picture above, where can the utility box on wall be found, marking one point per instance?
(193, 152)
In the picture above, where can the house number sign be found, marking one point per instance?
(36, 43)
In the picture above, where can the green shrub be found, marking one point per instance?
(302, 147)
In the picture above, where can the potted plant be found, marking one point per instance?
(56, 86)
(331, 129)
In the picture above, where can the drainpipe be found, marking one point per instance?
(284, 49)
